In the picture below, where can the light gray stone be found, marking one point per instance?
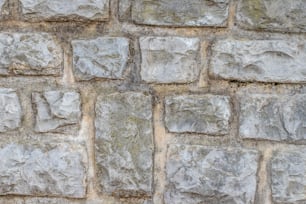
(208, 114)
(65, 10)
(41, 200)
(10, 110)
(42, 170)
(169, 59)
(124, 9)
(273, 117)
(259, 60)
(198, 174)
(30, 54)
(276, 15)
(4, 200)
(55, 109)
(104, 57)
(124, 144)
(288, 183)
(181, 12)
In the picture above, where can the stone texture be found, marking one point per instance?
(41, 169)
(30, 54)
(104, 57)
(124, 10)
(181, 12)
(208, 114)
(273, 117)
(199, 174)
(55, 109)
(277, 15)
(124, 143)
(10, 110)
(169, 59)
(288, 181)
(65, 10)
(259, 60)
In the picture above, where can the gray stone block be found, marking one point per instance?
(198, 174)
(181, 13)
(55, 109)
(104, 57)
(30, 54)
(259, 60)
(208, 114)
(65, 10)
(124, 144)
(169, 59)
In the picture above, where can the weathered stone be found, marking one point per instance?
(65, 10)
(29, 54)
(55, 109)
(11, 201)
(169, 59)
(1, 5)
(100, 58)
(181, 13)
(199, 174)
(208, 114)
(10, 110)
(124, 143)
(124, 9)
(259, 60)
(273, 117)
(41, 169)
(288, 181)
(277, 15)
(53, 201)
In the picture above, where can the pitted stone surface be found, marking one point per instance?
(288, 183)
(181, 12)
(259, 60)
(41, 170)
(124, 143)
(55, 109)
(30, 54)
(273, 117)
(169, 59)
(199, 174)
(208, 114)
(104, 57)
(65, 10)
(10, 110)
(277, 15)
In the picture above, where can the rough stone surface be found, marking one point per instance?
(124, 143)
(288, 181)
(10, 110)
(169, 59)
(273, 117)
(199, 174)
(29, 54)
(181, 13)
(41, 170)
(65, 10)
(259, 60)
(55, 109)
(208, 114)
(278, 15)
(100, 58)
(124, 9)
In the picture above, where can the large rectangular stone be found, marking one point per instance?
(276, 15)
(30, 54)
(104, 57)
(259, 60)
(288, 170)
(181, 13)
(59, 10)
(124, 144)
(38, 168)
(199, 174)
(273, 117)
(169, 59)
(208, 114)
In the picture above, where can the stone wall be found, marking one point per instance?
(152, 101)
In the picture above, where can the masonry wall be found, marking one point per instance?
(152, 101)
